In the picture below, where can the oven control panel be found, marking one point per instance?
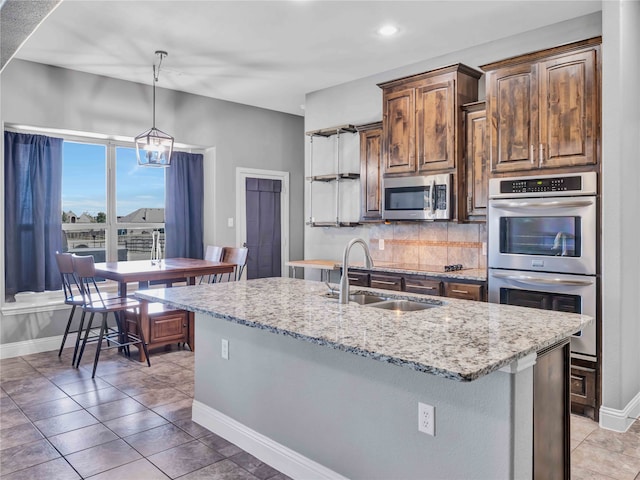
(537, 185)
(571, 184)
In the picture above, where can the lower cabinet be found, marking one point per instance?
(166, 325)
(422, 284)
(584, 396)
(465, 291)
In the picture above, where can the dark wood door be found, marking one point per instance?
(435, 126)
(512, 106)
(477, 173)
(371, 174)
(568, 110)
(399, 131)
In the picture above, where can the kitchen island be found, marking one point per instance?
(323, 390)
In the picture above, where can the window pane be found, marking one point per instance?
(135, 243)
(139, 190)
(84, 194)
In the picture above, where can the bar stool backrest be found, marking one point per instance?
(85, 270)
(213, 253)
(237, 255)
(69, 281)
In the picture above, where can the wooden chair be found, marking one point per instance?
(95, 302)
(213, 254)
(238, 256)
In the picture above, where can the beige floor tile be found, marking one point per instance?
(179, 410)
(53, 408)
(224, 469)
(65, 423)
(626, 443)
(27, 455)
(82, 438)
(119, 408)
(579, 473)
(57, 469)
(102, 457)
(160, 396)
(185, 458)
(158, 439)
(141, 469)
(104, 395)
(134, 423)
(581, 427)
(18, 435)
(605, 462)
(85, 385)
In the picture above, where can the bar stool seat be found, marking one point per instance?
(95, 302)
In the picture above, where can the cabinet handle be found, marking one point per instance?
(353, 279)
(531, 155)
(422, 287)
(453, 290)
(383, 282)
(541, 154)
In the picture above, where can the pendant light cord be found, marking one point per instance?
(156, 75)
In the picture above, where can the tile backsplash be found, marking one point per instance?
(428, 243)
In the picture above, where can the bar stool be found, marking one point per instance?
(72, 297)
(238, 256)
(94, 302)
(213, 254)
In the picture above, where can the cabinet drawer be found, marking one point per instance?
(358, 279)
(583, 381)
(465, 291)
(386, 282)
(426, 286)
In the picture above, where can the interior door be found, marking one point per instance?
(263, 227)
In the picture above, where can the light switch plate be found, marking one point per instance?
(224, 349)
(230, 222)
(381, 244)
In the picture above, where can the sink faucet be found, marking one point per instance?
(344, 281)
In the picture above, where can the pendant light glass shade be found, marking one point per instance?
(154, 147)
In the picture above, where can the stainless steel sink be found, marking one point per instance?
(359, 298)
(403, 305)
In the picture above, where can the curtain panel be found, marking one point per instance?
(184, 206)
(33, 212)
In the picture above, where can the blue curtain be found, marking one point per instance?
(32, 212)
(184, 206)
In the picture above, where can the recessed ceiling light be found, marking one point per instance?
(388, 30)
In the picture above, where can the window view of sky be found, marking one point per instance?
(84, 181)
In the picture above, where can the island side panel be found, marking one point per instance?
(358, 416)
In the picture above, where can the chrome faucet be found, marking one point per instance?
(344, 281)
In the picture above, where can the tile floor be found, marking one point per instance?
(133, 421)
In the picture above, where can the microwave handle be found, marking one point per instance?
(556, 204)
(433, 196)
(542, 281)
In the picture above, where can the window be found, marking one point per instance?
(110, 205)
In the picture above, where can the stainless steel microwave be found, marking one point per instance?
(423, 197)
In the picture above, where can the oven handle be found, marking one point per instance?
(542, 281)
(556, 204)
(433, 196)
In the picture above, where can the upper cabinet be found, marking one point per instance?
(543, 108)
(421, 119)
(370, 172)
(475, 159)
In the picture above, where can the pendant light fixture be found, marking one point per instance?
(154, 147)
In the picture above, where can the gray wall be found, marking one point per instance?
(620, 204)
(358, 416)
(243, 136)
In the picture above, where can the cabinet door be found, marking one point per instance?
(476, 163)
(435, 126)
(370, 174)
(399, 132)
(512, 106)
(568, 110)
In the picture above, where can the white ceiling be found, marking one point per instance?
(271, 53)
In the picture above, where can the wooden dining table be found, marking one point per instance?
(167, 270)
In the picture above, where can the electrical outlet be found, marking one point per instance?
(427, 419)
(381, 244)
(230, 222)
(224, 350)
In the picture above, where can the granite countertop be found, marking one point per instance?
(460, 339)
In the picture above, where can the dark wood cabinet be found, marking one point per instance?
(370, 172)
(166, 325)
(360, 279)
(543, 109)
(475, 158)
(423, 285)
(386, 281)
(421, 119)
(465, 291)
(584, 397)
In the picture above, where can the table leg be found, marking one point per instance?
(146, 330)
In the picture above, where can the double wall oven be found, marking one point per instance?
(542, 247)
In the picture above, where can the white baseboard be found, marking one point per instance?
(620, 420)
(38, 345)
(267, 450)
